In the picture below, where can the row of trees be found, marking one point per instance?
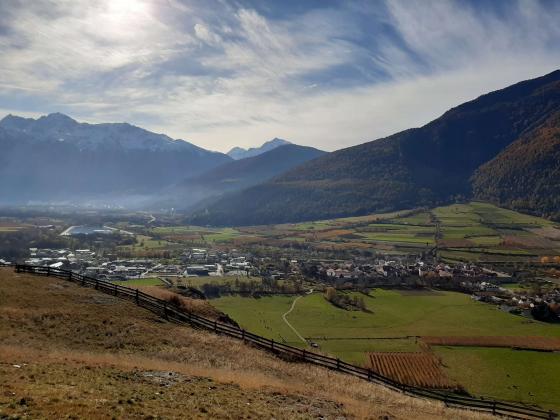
(345, 301)
(251, 287)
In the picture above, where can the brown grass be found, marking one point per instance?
(528, 343)
(529, 242)
(197, 306)
(456, 243)
(331, 234)
(548, 232)
(80, 352)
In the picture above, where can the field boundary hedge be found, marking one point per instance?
(172, 313)
(521, 342)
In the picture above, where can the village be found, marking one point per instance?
(281, 275)
(539, 299)
(192, 263)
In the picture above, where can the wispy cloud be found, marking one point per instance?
(237, 73)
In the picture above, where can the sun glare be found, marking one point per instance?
(127, 7)
(123, 18)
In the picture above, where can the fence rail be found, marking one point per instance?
(172, 313)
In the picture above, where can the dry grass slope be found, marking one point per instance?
(71, 352)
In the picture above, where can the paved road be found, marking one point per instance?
(290, 325)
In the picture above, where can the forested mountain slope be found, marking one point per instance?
(418, 167)
(526, 175)
(242, 173)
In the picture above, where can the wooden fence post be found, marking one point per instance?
(494, 408)
(96, 284)
(165, 311)
(369, 374)
(115, 288)
(338, 364)
(215, 326)
(48, 271)
(271, 344)
(243, 335)
(137, 298)
(303, 354)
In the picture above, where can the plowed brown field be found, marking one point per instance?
(416, 369)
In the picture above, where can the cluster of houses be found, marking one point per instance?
(193, 262)
(203, 262)
(482, 283)
(60, 258)
(393, 271)
(544, 305)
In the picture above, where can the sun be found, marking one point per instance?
(123, 18)
(124, 8)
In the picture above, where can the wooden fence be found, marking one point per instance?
(172, 313)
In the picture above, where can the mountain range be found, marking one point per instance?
(241, 153)
(511, 133)
(502, 147)
(55, 158)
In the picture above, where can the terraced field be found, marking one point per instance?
(481, 231)
(461, 232)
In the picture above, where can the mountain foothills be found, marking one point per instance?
(504, 144)
(238, 174)
(241, 153)
(56, 158)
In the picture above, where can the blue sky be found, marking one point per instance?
(219, 73)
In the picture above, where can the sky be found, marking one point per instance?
(220, 73)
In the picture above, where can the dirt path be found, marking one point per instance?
(290, 325)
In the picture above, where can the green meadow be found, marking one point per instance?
(349, 334)
(140, 282)
(394, 321)
(522, 376)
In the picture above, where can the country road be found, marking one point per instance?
(290, 325)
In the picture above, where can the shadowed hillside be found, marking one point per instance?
(418, 167)
(239, 174)
(526, 175)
